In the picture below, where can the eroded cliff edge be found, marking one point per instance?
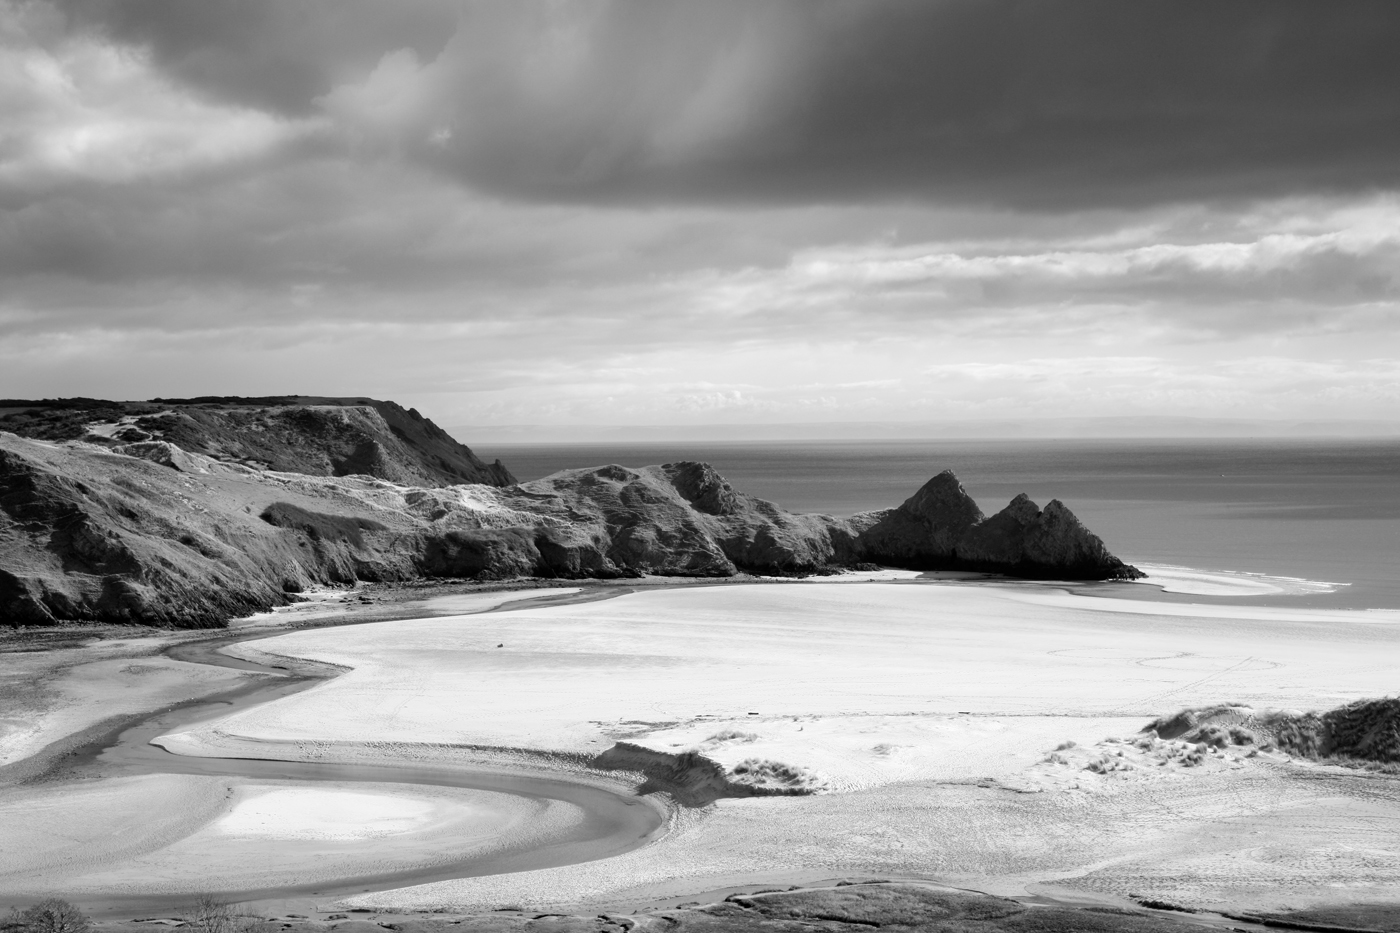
(148, 531)
(318, 435)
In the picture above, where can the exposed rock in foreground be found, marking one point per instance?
(693, 780)
(148, 531)
(846, 908)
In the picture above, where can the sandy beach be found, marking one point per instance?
(977, 733)
(171, 834)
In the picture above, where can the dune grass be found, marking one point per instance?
(1363, 733)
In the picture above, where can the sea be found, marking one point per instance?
(1317, 510)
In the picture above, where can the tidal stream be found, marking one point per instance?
(613, 822)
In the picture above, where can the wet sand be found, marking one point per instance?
(932, 710)
(608, 821)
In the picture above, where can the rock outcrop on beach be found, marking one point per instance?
(319, 436)
(941, 528)
(148, 530)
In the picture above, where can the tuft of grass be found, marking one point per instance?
(1240, 736)
(1213, 736)
(1174, 726)
(208, 914)
(1105, 764)
(777, 777)
(1361, 734)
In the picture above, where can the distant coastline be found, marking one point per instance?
(1086, 428)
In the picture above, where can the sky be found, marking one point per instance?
(707, 212)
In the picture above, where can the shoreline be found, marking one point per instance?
(368, 602)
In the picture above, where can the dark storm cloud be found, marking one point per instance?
(275, 54)
(611, 210)
(1026, 102)
(1094, 100)
(1061, 102)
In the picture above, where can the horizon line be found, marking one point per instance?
(1090, 428)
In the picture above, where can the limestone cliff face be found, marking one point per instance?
(684, 518)
(941, 528)
(148, 531)
(926, 529)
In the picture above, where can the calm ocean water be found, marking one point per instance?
(1321, 510)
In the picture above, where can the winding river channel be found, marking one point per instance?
(614, 822)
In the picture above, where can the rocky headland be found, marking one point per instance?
(195, 512)
(940, 528)
(316, 435)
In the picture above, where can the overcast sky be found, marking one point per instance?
(707, 211)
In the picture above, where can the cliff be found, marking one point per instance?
(319, 436)
(941, 528)
(684, 518)
(146, 530)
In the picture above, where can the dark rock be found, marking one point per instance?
(702, 487)
(690, 778)
(925, 531)
(891, 907)
(941, 528)
(943, 505)
(906, 907)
